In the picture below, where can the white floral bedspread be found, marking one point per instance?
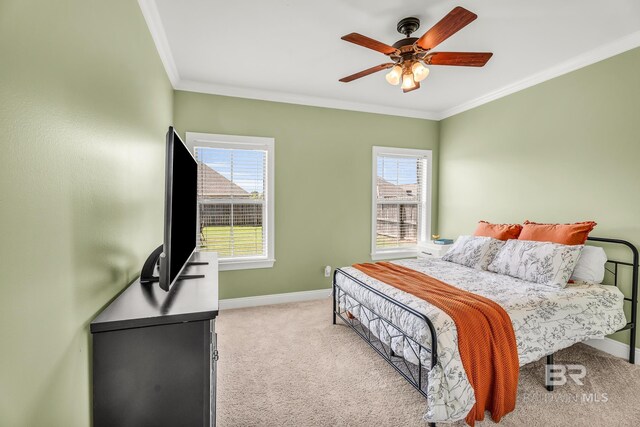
(544, 319)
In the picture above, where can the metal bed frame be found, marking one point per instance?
(416, 375)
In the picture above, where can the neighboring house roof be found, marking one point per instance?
(388, 190)
(212, 184)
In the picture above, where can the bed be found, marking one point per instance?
(403, 328)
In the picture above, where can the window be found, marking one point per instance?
(235, 198)
(401, 201)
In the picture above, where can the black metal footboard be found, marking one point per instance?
(416, 375)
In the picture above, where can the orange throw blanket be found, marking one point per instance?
(486, 340)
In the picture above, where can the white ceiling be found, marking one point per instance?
(290, 51)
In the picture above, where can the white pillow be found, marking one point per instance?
(473, 251)
(549, 264)
(590, 266)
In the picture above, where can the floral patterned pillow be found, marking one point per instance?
(473, 251)
(546, 263)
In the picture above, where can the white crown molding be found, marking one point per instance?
(154, 22)
(291, 98)
(614, 347)
(229, 304)
(591, 57)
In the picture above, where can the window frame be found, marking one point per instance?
(211, 140)
(424, 221)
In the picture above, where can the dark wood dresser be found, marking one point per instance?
(154, 353)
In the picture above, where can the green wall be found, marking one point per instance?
(85, 103)
(322, 181)
(563, 151)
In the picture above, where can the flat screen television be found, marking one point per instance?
(180, 218)
(180, 210)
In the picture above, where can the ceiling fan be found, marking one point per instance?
(411, 54)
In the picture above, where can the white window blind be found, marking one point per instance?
(400, 198)
(232, 198)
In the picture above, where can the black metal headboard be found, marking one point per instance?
(634, 288)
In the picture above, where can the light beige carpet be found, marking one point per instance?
(287, 365)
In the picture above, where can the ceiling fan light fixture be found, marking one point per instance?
(408, 82)
(412, 55)
(420, 72)
(393, 77)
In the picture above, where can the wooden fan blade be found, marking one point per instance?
(370, 43)
(417, 86)
(463, 59)
(456, 20)
(367, 72)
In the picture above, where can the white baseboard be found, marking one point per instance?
(231, 303)
(614, 347)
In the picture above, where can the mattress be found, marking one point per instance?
(544, 320)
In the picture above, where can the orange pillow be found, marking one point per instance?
(498, 231)
(565, 234)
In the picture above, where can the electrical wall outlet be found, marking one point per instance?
(327, 271)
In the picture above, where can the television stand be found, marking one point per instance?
(155, 353)
(148, 269)
(154, 279)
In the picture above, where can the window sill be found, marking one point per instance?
(249, 264)
(412, 253)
